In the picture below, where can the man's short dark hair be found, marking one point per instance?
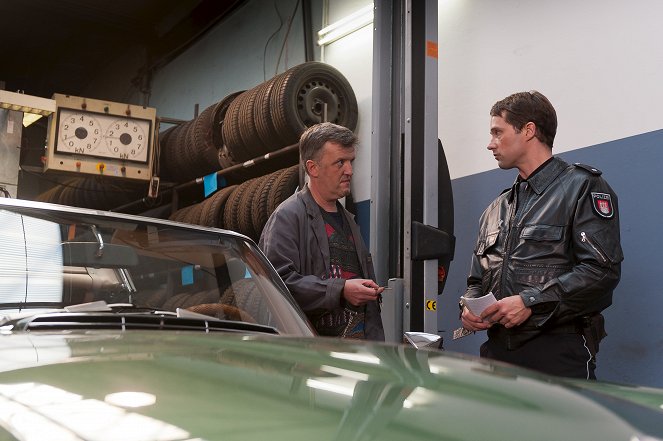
(523, 107)
(315, 137)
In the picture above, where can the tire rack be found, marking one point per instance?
(245, 132)
(242, 207)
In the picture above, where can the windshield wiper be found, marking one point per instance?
(124, 316)
(59, 321)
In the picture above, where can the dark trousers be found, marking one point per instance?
(564, 355)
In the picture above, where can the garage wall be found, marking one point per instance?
(600, 64)
(353, 56)
(247, 48)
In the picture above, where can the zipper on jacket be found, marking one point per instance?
(507, 258)
(585, 239)
(507, 244)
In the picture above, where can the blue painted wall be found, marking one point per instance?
(633, 350)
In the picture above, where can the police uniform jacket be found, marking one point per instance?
(560, 251)
(295, 241)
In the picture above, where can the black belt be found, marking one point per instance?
(566, 328)
(575, 327)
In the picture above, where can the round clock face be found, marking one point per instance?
(127, 139)
(105, 136)
(79, 133)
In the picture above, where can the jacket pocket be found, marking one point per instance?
(611, 245)
(542, 233)
(604, 246)
(537, 275)
(486, 242)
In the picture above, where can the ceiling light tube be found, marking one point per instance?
(346, 25)
(29, 118)
(33, 107)
(26, 103)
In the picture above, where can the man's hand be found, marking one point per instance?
(361, 291)
(473, 322)
(509, 311)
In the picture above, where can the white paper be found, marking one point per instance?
(476, 305)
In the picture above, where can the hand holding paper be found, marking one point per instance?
(476, 305)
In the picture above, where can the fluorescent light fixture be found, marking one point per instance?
(346, 25)
(29, 118)
(33, 107)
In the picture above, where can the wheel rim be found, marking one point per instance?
(312, 98)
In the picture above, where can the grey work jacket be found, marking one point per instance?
(560, 251)
(295, 241)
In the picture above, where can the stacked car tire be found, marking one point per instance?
(243, 207)
(247, 125)
(96, 192)
(275, 113)
(192, 149)
(251, 123)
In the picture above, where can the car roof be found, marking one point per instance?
(110, 215)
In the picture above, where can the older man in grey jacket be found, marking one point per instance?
(315, 244)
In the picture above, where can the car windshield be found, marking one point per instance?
(53, 257)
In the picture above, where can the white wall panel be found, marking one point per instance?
(352, 56)
(599, 62)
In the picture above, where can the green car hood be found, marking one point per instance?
(250, 387)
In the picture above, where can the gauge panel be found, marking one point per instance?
(103, 136)
(98, 137)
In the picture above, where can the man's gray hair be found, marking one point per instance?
(315, 137)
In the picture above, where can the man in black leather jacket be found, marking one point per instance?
(548, 249)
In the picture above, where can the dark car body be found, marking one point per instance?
(135, 361)
(252, 386)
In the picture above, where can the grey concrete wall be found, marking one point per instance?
(247, 48)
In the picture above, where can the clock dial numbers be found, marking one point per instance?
(127, 139)
(98, 137)
(79, 133)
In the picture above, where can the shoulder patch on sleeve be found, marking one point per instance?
(602, 205)
(589, 168)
